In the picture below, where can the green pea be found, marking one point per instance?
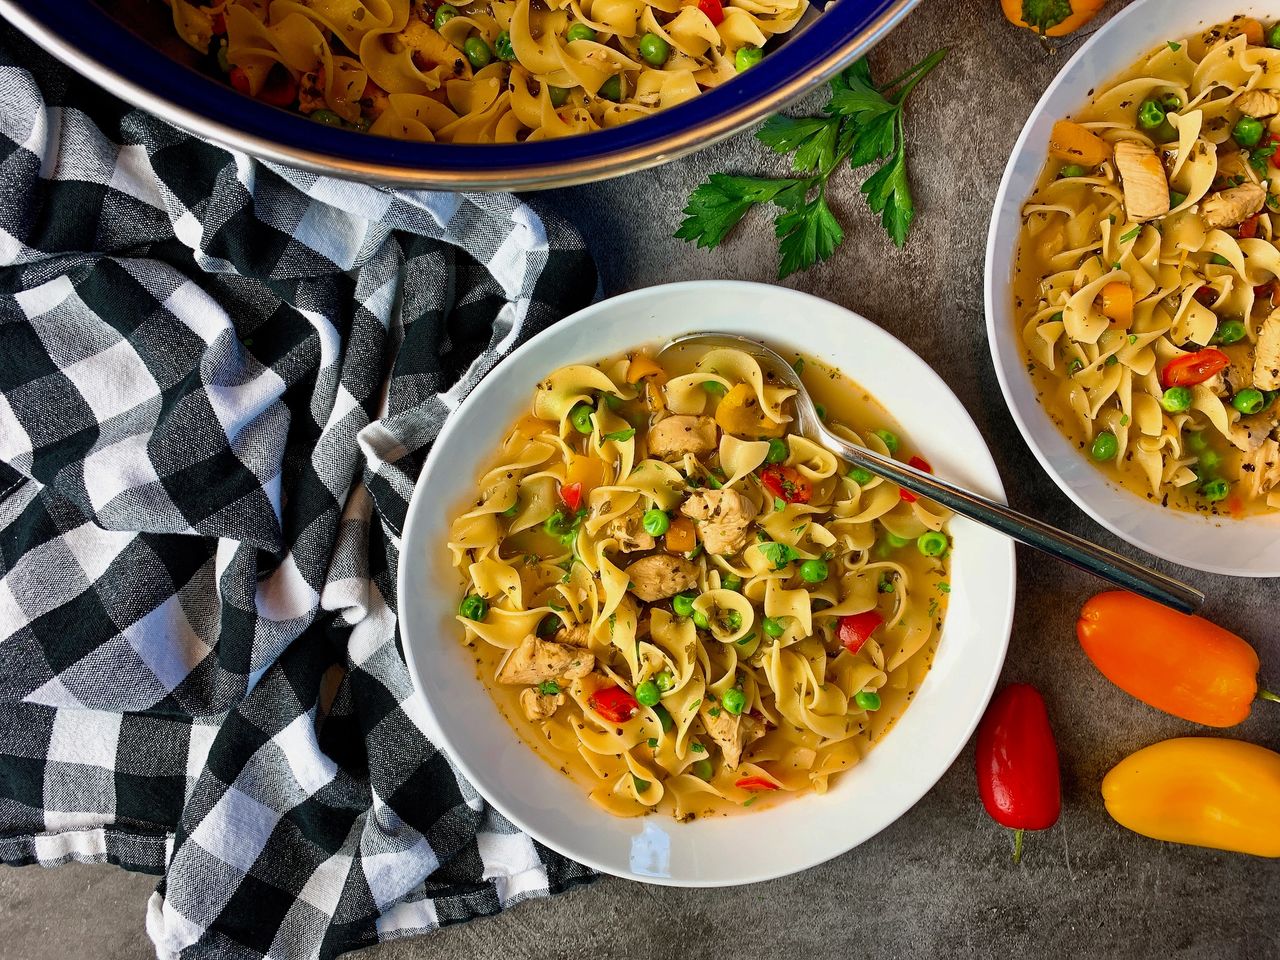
(701, 620)
(820, 410)
(641, 785)
(747, 57)
(733, 621)
(647, 694)
(813, 571)
(503, 48)
(558, 95)
(1273, 36)
(1105, 446)
(548, 688)
(548, 625)
(1150, 114)
(731, 581)
(327, 117)
(473, 607)
(890, 439)
(654, 49)
(1219, 260)
(867, 700)
(580, 417)
(773, 627)
(1176, 199)
(1229, 331)
(1210, 460)
(896, 541)
(1171, 102)
(655, 521)
(478, 52)
(1247, 131)
(734, 700)
(223, 63)
(1072, 170)
(932, 543)
(1196, 441)
(512, 510)
(444, 13)
(682, 603)
(579, 31)
(664, 680)
(1215, 490)
(1176, 399)
(1075, 366)
(778, 451)
(1249, 401)
(860, 477)
(559, 526)
(713, 387)
(611, 89)
(664, 717)
(701, 769)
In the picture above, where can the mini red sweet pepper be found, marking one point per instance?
(1018, 763)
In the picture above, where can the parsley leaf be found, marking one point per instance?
(862, 123)
(1260, 155)
(620, 436)
(1129, 235)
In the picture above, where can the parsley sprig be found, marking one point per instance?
(861, 123)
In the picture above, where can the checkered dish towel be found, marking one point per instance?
(218, 380)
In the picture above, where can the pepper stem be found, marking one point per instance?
(1268, 695)
(1017, 845)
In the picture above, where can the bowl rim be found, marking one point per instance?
(100, 48)
(1006, 569)
(997, 278)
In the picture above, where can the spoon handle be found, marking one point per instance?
(1077, 551)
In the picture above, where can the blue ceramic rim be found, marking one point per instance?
(81, 33)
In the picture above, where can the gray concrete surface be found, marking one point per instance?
(939, 882)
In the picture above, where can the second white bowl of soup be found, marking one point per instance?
(652, 624)
(1132, 282)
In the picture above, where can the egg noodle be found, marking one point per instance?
(494, 71)
(685, 605)
(1146, 280)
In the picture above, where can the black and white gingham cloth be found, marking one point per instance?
(218, 380)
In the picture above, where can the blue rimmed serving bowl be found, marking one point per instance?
(129, 48)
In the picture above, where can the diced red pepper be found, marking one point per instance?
(281, 89)
(713, 9)
(755, 784)
(786, 483)
(219, 25)
(571, 494)
(240, 80)
(1265, 292)
(1193, 368)
(920, 463)
(856, 629)
(1206, 296)
(1249, 229)
(614, 704)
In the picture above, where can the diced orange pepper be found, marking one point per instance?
(682, 537)
(1117, 303)
(1075, 144)
(641, 366)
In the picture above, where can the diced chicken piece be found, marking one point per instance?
(578, 635)
(540, 706)
(1258, 103)
(430, 51)
(1249, 433)
(1238, 376)
(311, 96)
(1146, 189)
(536, 661)
(731, 733)
(1266, 355)
(1230, 207)
(676, 436)
(723, 518)
(661, 576)
(1261, 469)
(628, 530)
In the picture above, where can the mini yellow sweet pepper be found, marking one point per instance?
(1202, 791)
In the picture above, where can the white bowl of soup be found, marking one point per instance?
(1131, 282)
(652, 624)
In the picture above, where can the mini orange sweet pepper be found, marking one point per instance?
(1180, 664)
(1203, 791)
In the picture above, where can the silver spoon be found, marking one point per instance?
(1076, 551)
